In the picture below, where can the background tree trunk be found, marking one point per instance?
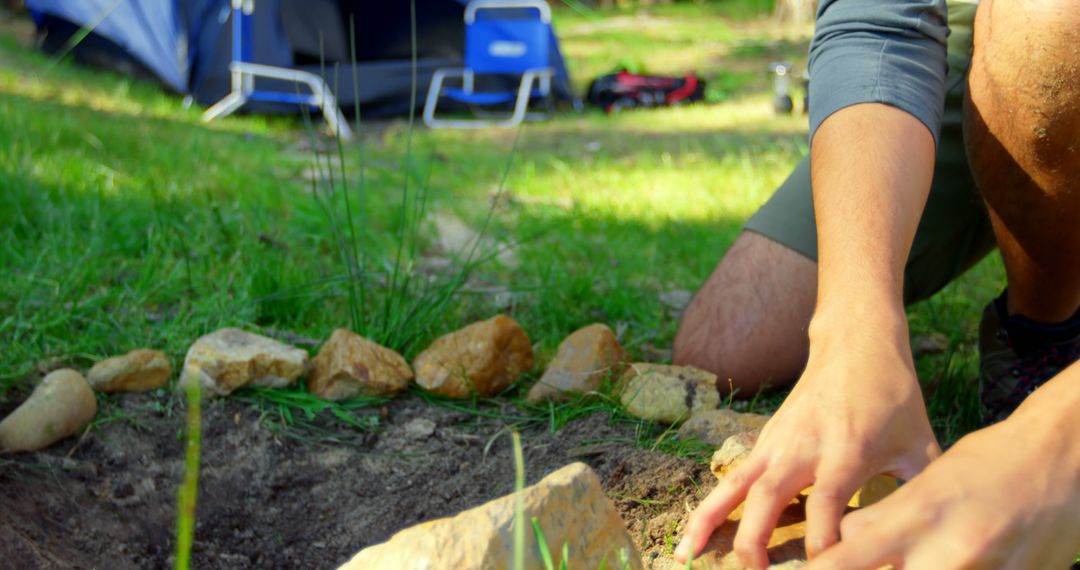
(795, 11)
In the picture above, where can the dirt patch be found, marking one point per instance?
(269, 501)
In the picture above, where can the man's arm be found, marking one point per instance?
(857, 410)
(871, 167)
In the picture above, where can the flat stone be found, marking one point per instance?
(667, 394)
(714, 427)
(584, 359)
(732, 452)
(137, 371)
(350, 365)
(61, 405)
(786, 546)
(569, 505)
(482, 358)
(230, 358)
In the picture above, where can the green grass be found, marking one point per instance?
(126, 222)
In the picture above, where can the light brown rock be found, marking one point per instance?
(667, 394)
(227, 359)
(733, 451)
(737, 448)
(583, 360)
(714, 427)
(61, 406)
(137, 371)
(350, 365)
(569, 504)
(786, 548)
(483, 358)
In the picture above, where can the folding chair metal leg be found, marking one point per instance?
(238, 86)
(434, 92)
(227, 106)
(521, 103)
(243, 83)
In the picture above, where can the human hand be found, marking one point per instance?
(1006, 497)
(856, 412)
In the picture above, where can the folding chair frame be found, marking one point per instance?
(542, 77)
(243, 73)
(521, 105)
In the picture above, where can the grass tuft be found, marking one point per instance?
(300, 415)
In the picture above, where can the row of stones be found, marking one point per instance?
(482, 358)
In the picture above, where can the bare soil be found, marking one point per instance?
(107, 500)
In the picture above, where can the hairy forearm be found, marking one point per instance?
(871, 167)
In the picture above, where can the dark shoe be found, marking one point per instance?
(1018, 355)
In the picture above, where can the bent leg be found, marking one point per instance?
(1022, 130)
(748, 322)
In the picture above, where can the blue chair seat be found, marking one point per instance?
(508, 38)
(475, 98)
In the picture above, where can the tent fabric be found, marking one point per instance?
(147, 28)
(187, 44)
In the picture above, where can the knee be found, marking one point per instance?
(1033, 18)
(1028, 47)
(1022, 84)
(743, 362)
(747, 323)
(701, 343)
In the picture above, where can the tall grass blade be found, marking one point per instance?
(541, 543)
(498, 193)
(81, 35)
(406, 165)
(359, 324)
(185, 523)
(349, 247)
(519, 503)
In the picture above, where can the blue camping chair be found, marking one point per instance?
(243, 73)
(509, 38)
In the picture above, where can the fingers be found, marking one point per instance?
(768, 497)
(866, 552)
(828, 501)
(714, 510)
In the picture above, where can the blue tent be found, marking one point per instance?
(186, 44)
